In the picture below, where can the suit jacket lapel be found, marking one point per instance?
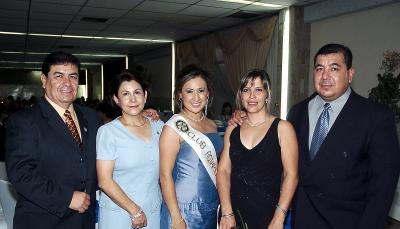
(83, 124)
(55, 121)
(336, 129)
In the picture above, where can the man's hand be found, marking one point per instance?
(237, 118)
(151, 113)
(80, 201)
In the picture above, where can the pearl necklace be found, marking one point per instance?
(193, 119)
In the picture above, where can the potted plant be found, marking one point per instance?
(388, 89)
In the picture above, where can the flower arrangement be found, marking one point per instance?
(388, 89)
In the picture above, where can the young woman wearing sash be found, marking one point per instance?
(257, 173)
(189, 147)
(128, 160)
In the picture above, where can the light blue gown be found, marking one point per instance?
(136, 171)
(196, 193)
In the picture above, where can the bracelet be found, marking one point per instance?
(284, 211)
(137, 215)
(171, 226)
(228, 215)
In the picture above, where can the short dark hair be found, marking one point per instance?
(59, 57)
(126, 76)
(190, 72)
(251, 76)
(336, 48)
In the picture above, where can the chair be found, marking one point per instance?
(8, 199)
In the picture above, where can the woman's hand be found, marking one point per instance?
(178, 224)
(227, 222)
(139, 220)
(277, 221)
(237, 118)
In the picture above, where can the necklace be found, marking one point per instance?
(257, 123)
(132, 125)
(193, 119)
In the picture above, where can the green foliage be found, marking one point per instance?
(387, 91)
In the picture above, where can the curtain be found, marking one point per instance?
(243, 48)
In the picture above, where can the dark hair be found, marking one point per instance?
(226, 104)
(106, 109)
(59, 57)
(251, 76)
(336, 48)
(126, 76)
(190, 72)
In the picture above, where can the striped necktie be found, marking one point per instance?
(72, 128)
(320, 132)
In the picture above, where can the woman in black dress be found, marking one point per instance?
(257, 172)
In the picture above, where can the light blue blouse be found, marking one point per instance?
(136, 171)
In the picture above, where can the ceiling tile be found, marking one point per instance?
(51, 16)
(87, 25)
(223, 22)
(12, 28)
(163, 7)
(179, 1)
(13, 21)
(123, 29)
(102, 12)
(146, 15)
(133, 22)
(69, 2)
(14, 5)
(107, 33)
(11, 38)
(46, 29)
(7, 13)
(48, 23)
(120, 4)
(81, 32)
(220, 4)
(204, 11)
(184, 18)
(49, 8)
(262, 9)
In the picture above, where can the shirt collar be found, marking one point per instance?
(336, 104)
(60, 110)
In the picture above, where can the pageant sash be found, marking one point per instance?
(200, 143)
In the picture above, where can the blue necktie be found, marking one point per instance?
(320, 132)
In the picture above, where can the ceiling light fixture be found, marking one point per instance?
(76, 54)
(36, 62)
(86, 37)
(269, 5)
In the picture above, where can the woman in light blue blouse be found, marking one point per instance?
(128, 161)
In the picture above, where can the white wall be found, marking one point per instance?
(367, 33)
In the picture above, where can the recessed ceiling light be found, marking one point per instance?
(36, 62)
(87, 37)
(269, 5)
(76, 54)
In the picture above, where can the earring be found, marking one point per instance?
(205, 110)
(180, 104)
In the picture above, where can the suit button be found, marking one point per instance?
(82, 160)
(320, 194)
(83, 182)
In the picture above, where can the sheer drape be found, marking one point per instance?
(243, 48)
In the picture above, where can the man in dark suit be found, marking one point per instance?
(52, 164)
(348, 181)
